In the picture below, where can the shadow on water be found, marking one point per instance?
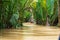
(11, 34)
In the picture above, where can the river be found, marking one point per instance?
(30, 32)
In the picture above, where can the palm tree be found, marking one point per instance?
(12, 12)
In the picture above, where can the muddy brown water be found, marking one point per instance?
(30, 32)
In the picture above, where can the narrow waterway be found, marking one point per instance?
(30, 32)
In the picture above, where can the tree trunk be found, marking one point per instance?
(59, 13)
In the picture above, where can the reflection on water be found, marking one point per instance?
(30, 32)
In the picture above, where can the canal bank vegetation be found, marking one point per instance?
(13, 13)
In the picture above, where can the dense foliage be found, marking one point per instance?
(46, 9)
(14, 12)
